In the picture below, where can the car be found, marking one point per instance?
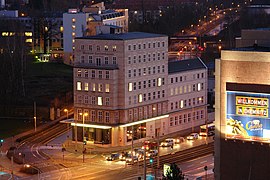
(211, 133)
(138, 152)
(113, 157)
(129, 159)
(167, 143)
(152, 153)
(179, 140)
(148, 145)
(193, 136)
(123, 156)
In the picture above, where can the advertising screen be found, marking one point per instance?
(248, 116)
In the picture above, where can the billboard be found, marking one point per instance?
(247, 116)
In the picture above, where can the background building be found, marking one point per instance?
(89, 21)
(121, 84)
(242, 114)
(249, 37)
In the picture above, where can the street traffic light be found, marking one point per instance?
(151, 160)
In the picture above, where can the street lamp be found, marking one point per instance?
(35, 116)
(83, 116)
(66, 111)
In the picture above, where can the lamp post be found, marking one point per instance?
(66, 110)
(35, 116)
(83, 116)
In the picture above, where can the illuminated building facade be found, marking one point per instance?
(187, 95)
(242, 114)
(121, 84)
(90, 21)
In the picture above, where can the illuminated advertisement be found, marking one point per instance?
(248, 116)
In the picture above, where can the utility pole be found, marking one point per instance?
(144, 164)
(132, 145)
(158, 151)
(35, 116)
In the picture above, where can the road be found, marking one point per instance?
(195, 167)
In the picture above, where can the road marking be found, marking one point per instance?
(82, 168)
(203, 162)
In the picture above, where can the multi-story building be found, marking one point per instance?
(121, 89)
(242, 114)
(187, 95)
(90, 21)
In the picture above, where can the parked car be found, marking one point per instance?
(193, 136)
(113, 157)
(179, 140)
(129, 159)
(167, 143)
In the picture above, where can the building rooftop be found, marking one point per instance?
(123, 36)
(185, 65)
(255, 47)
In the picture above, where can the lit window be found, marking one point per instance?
(73, 27)
(129, 86)
(86, 86)
(93, 87)
(79, 73)
(73, 20)
(107, 88)
(99, 87)
(114, 48)
(140, 98)
(29, 40)
(28, 33)
(181, 104)
(100, 101)
(106, 48)
(199, 86)
(159, 81)
(79, 86)
(73, 34)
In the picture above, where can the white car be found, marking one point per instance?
(167, 143)
(179, 140)
(129, 159)
(193, 136)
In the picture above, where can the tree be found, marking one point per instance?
(174, 173)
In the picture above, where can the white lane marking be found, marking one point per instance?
(203, 162)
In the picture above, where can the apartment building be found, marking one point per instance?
(90, 21)
(123, 88)
(187, 95)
